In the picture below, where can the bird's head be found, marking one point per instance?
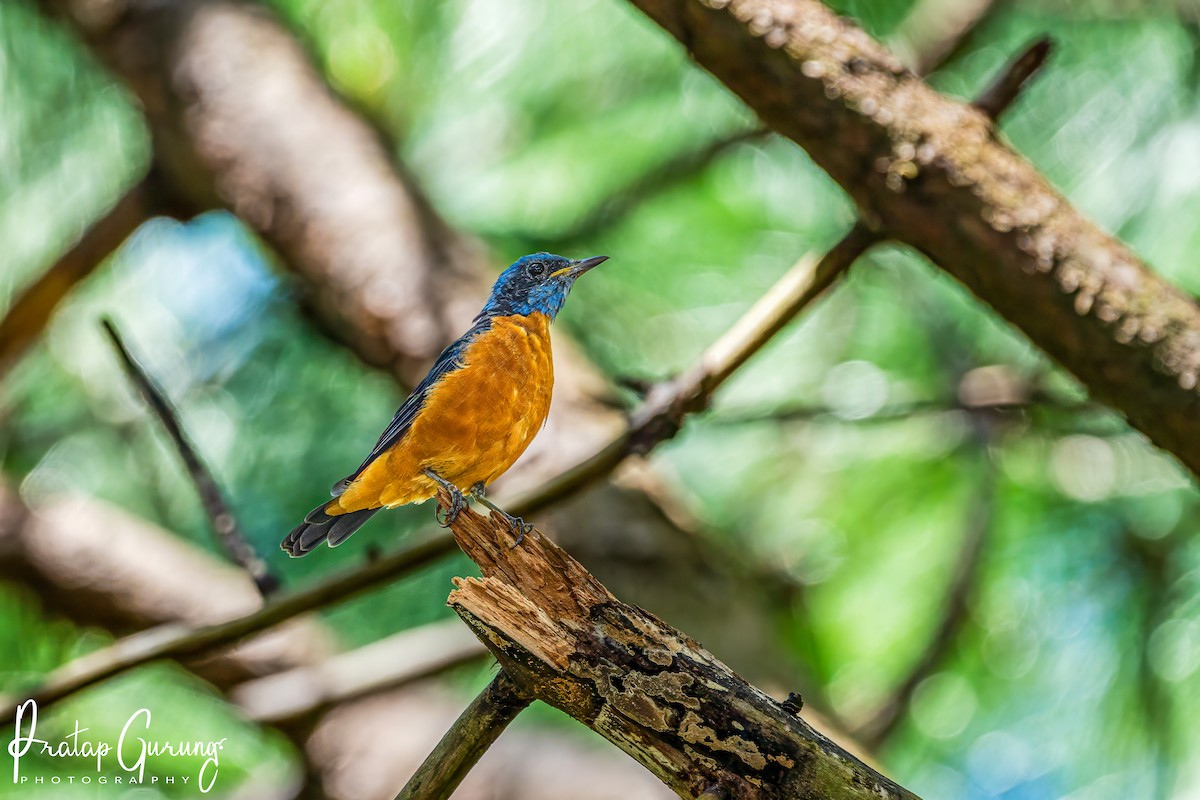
(536, 283)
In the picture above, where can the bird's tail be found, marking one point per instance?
(319, 527)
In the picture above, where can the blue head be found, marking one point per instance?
(536, 283)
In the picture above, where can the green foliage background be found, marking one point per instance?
(1075, 671)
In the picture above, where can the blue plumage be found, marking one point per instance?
(522, 289)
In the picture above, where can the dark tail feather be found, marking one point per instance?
(319, 527)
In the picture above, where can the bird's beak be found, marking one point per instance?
(577, 268)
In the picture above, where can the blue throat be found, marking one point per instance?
(544, 302)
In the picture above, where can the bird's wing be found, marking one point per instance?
(449, 360)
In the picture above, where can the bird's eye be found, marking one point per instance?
(536, 270)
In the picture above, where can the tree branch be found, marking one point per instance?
(31, 310)
(101, 566)
(641, 684)
(180, 640)
(296, 695)
(241, 119)
(467, 740)
(931, 173)
(222, 520)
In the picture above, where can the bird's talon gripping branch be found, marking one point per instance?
(457, 501)
(517, 525)
(520, 527)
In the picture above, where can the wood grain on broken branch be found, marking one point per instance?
(932, 173)
(649, 689)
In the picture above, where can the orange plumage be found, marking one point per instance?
(476, 423)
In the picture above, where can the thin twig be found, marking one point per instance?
(807, 413)
(467, 740)
(224, 524)
(1002, 91)
(896, 413)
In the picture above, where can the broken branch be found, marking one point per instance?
(641, 684)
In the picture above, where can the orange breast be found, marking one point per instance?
(475, 423)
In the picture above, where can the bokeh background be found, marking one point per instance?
(949, 512)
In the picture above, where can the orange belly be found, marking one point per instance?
(474, 424)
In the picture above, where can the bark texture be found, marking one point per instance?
(933, 173)
(644, 686)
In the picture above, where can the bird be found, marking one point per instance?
(472, 416)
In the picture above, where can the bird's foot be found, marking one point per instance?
(457, 501)
(517, 525)
(520, 527)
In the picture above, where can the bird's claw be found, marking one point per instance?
(520, 527)
(517, 525)
(457, 504)
(457, 501)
